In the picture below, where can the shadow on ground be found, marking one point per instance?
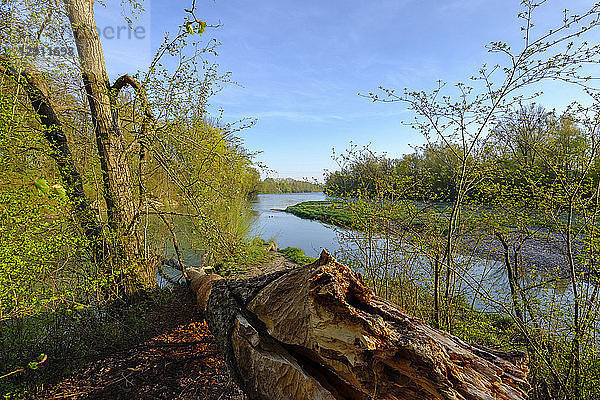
(179, 361)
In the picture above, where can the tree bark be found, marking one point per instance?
(38, 95)
(117, 182)
(317, 332)
(512, 282)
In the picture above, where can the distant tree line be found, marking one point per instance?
(527, 148)
(287, 185)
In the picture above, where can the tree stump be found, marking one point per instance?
(318, 332)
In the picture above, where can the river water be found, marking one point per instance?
(485, 278)
(482, 282)
(286, 229)
(477, 279)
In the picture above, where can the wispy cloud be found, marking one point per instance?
(301, 65)
(319, 117)
(457, 5)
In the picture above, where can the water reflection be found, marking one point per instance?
(288, 230)
(483, 282)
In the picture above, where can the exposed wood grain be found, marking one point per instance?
(318, 332)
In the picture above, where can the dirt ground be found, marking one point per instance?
(180, 361)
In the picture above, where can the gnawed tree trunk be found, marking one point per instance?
(317, 332)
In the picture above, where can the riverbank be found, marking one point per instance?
(271, 222)
(176, 356)
(330, 212)
(179, 359)
(542, 250)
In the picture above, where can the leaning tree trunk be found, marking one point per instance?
(317, 332)
(118, 193)
(38, 94)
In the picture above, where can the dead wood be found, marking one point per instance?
(318, 332)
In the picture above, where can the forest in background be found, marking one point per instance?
(287, 185)
(524, 155)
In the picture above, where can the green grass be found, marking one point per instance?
(416, 215)
(251, 253)
(353, 215)
(331, 212)
(297, 255)
(92, 333)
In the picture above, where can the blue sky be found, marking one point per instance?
(301, 64)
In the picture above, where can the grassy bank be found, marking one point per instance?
(297, 255)
(331, 212)
(416, 215)
(96, 328)
(362, 214)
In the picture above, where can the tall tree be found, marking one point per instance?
(116, 175)
(38, 95)
(115, 246)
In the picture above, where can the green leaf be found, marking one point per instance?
(60, 191)
(32, 365)
(189, 28)
(42, 185)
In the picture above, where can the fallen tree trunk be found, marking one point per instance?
(317, 332)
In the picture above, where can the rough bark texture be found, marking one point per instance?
(317, 332)
(39, 97)
(118, 192)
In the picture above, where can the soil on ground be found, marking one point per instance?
(179, 361)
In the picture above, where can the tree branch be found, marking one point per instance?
(38, 95)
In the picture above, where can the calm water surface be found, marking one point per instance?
(288, 230)
(485, 278)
